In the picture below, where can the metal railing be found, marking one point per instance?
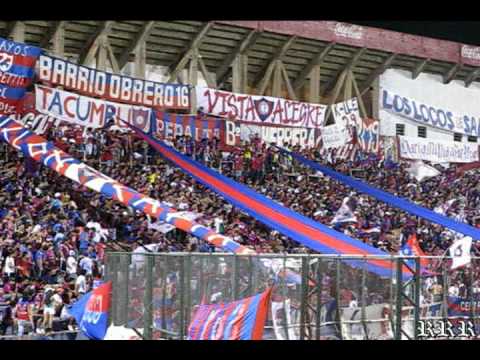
(333, 297)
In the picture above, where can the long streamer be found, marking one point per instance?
(393, 200)
(298, 227)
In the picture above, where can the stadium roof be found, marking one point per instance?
(299, 44)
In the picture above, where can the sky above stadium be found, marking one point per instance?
(467, 32)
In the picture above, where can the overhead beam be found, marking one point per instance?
(53, 29)
(377, 72)
(317, 60)
(247, 42)
(182, 60)
(349, 65)
(450, 74)
(472, 77)
(139, 38)
(419, 68)
(91, 46)
(279, 54)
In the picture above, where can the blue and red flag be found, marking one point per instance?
(296, 226)
(239, 320)
(412, 248)
(17, 69)
(91, 311)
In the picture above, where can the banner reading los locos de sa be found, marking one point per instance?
(112, 87)
(260, 109)
(428, 101)
(437, 151)
(88, 112)
(17, 62)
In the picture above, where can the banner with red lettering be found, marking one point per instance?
(113, 87)
(260, 109)
(236, 132)
(88, 112)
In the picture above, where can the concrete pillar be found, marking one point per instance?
(140, 61)
(240, 74)
(18, 33)
(58, 41)
(375, 98)
(102, 54)
(314, 93)
(193, 79)
(277, 80)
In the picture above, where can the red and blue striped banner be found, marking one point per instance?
(169, 124)
(17, 63)
(296, 226)
(239, 320)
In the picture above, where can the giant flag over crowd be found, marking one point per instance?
(17, 63)
(41, 150)
(296, 226)
(393, 200)
(36, 147)
(239, 320)
(91, 311)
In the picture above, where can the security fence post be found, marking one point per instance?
(114, 277)
(124, 299)
(399, 296)
(318, 317)
(188, 290)
(363, 299)
(148, 298)
(304, 299)
(235, 279)
(417, 290)
(283, 283)
(338, 296)
(182, 296)
(473, 303)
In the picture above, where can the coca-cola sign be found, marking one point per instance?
(349, 31)
(471, 52)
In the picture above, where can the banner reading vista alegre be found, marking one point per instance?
(260, 109)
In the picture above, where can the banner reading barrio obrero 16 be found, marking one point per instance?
(113, 87)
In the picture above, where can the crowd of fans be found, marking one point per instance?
(54, 233)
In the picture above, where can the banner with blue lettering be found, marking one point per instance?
(427, 114)
(88, 112)
(390, 199)
(296, 226)
(91, 311)
(239, 320)
(17, 64)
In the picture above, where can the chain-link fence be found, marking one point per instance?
(314, 297)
